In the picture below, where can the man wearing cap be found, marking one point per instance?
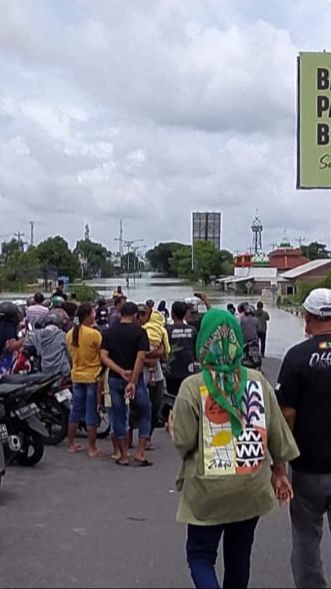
(304, 394)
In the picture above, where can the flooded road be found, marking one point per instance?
(284, 330)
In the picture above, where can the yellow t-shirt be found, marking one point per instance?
(86, 361)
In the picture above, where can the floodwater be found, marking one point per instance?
(284, 329)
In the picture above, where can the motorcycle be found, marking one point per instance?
(53, 398)
(22, 433)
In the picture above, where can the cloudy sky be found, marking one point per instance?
(144, 110)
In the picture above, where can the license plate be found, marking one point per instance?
(27, 411)
(3, 432)
(64, 395)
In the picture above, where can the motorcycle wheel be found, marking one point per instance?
(55, 417)
(103, 429)
(32, 449)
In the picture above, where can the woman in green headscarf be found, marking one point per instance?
(226, 422)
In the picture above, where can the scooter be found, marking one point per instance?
(53, 398)
(22, 433)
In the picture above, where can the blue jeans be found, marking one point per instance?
(84, 403)
(202, 546)
(120, 409)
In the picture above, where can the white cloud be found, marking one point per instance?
(147, 110)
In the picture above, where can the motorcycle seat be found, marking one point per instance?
(7, 389)
(26, 379)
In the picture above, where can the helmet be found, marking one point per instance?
(249, 309)
(9, 312)
(57, 301)
(54, 318)
(102, 302)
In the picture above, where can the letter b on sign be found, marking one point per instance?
(323, 134)
(322, 78)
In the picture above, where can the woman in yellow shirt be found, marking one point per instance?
(84, 346)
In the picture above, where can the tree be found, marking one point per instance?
(209, 262)
(160, 256)
(181, 262)
(315, 251)
(54, 255)
(97, 256)
(22, 266)
(131, 263)
(9, 247)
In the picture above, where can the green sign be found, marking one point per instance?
(314, 120)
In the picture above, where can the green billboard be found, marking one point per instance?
(314, 120)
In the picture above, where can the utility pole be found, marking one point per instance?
(31, 233)
(20, 241)
(300, 240)
(129, 245)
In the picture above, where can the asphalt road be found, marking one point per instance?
(77, 522)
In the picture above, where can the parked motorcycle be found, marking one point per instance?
(22, 433)
(53, 398)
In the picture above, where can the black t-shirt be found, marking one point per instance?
(304, 384)
(7, 331)
(123, 342)
(182, 340)
(195, 320)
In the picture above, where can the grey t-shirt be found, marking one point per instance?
(50, 344)
(249, 326)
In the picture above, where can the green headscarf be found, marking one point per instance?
(220, 350)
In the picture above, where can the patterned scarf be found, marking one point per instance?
(220, 350)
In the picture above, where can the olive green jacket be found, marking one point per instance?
(224, 479)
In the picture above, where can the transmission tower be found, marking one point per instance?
(87, 233)
(257, 229)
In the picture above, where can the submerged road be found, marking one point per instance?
(77, 522)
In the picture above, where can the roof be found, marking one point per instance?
(284, 263)
(305, 268)
(285, 251)
(259, 272)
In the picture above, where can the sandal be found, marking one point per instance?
(121, 463)
(145, 462)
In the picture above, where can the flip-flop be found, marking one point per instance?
(99, 454)
(145, 462)
(121, 463)
(78, 448)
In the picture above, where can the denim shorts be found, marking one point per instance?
(84, 403)
(120, 409)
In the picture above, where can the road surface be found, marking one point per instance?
(76, 522)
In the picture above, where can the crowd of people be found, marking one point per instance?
(234, 433)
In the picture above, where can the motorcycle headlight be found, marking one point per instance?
(2, 411)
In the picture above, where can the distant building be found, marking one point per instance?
(207, 227)
(286, 257)
(311, 272)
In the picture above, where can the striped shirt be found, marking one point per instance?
(36, 313)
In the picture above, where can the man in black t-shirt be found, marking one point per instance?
(304, 394)
(123, 351)
(182, 339)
